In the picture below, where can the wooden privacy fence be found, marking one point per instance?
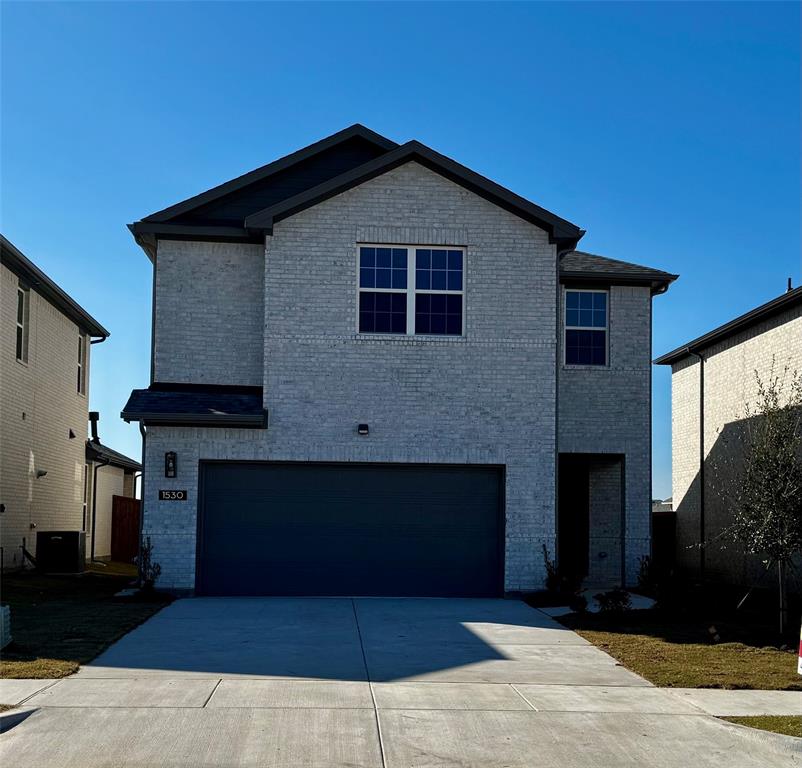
(124, 528)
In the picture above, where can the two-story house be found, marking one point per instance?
(51, 477)
(376, 372)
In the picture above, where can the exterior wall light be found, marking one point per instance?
(362, 429)
(170, 464)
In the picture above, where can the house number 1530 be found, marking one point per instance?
(172, 495)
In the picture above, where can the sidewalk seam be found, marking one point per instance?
(370, 685)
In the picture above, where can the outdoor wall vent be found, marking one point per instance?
(363, 429)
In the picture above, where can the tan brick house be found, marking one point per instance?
(46, 462)
(712, 382)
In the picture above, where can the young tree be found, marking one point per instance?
(765, 478)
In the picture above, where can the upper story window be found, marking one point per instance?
(585, 327)
(411, 290)
(23, 322)
(81, 364)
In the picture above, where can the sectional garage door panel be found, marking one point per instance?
(346, 529)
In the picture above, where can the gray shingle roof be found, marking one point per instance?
(95, 451)
(196, 404)
(579, 265)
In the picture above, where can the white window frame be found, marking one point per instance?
(22, 328)
(82, 355)
(411, 291)
(606, 329)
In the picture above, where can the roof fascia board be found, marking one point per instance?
(197, 420)
(354, 131)
(24, 268)
(741, 323)
(655, 281)
(560, 230)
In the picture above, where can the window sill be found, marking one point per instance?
(567, 367)
(407, 339)
(23, 363)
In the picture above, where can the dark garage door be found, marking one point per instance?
(349, 529)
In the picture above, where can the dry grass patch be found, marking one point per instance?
(788, 725)
(676, 650)
(61, 622)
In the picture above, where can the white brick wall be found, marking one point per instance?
(209, 307)
(485, 398)
(39, 404)
(730, 385)
(608, 410)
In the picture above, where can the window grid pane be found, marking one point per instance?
(438, 313)
(382, 312)
(438, 269)
(383, 268)
(585, 347)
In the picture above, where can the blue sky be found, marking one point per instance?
(670, 132)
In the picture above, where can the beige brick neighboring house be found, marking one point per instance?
(109, 474)
(44, 393)
(375, 371)
(769, 338)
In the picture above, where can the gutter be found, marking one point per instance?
(702, 542)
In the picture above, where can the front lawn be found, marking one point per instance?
(674, 646)
(789, 725)
(61, 622)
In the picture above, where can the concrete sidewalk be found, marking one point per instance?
(480, 683)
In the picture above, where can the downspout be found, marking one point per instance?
(144, 433)
(702, 541)
(98, 340)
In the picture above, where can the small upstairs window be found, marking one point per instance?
(23, 322)
(585, 327)
(81, 364)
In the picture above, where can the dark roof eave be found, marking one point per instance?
(658, 283)
(21, 265)
(95, 451)
(258, 421)
(741, 323)
(562, 232)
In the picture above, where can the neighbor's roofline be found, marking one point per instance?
(33, 277)
(763, 312)
(353, 131)
(561, 231)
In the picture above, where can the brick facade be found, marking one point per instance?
(489, 397)
(607, 410)
(730, 385)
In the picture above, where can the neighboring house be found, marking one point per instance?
(376, 372)
(110, 474)
(44, 395)
(712, 383)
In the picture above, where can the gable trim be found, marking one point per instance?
(562, 232)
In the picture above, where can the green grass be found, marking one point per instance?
(61, 622)
(789, 725)
(675, 649)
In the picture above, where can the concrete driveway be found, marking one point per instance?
(368, 682)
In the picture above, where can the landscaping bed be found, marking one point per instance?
(699, 640)
(61, 622)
